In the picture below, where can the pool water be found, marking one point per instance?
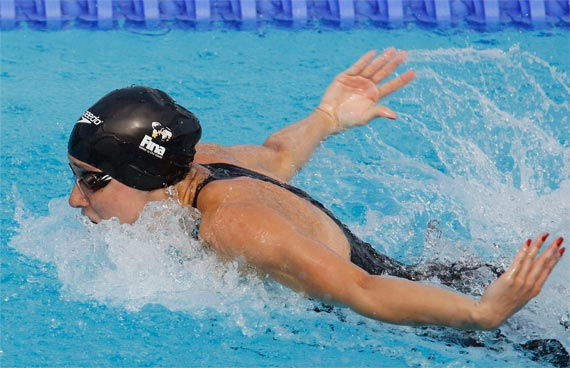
(478, 161)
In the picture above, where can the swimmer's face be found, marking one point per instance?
(108, 198)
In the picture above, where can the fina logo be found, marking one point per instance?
(89, 118)
(148, 145)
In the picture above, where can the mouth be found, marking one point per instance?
(89, 217)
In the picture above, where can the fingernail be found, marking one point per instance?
(545, 236)
(562, 251)
(559, 241)
(528, 241)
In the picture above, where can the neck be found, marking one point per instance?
(186, 188)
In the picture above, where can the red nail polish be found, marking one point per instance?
(562, 251)
(528, 241)
(545, 236)
(559, 241)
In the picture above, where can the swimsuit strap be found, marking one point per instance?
(199, 188)
(223, 171)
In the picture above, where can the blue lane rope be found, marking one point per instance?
(108, 14)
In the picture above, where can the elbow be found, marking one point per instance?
(282, 160)
(375, 297)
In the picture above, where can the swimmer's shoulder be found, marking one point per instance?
(208, 153)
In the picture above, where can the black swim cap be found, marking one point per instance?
(139, 136)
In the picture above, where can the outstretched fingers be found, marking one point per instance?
(520, 257)
(378, 63)
(545, 264)
(389, 66)
(386, 89)
(379, 68)
(396, 83)
(525, 256)
(361, 63)
(531, 254)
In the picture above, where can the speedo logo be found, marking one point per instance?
(89, 118)
(148, 145)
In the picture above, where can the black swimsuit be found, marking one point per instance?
(362, 254)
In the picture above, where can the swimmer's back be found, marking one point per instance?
(247, 192)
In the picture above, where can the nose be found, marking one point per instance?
(76, 198)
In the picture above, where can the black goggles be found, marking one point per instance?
(92, 180)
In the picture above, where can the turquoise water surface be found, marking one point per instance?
(481, 152)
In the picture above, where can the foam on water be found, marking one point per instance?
(153, 261)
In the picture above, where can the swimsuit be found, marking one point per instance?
(362, 254)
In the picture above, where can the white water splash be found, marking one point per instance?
(153, 261)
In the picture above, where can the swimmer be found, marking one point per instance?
(137, 145)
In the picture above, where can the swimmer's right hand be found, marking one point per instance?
(519, 284)
(352, 97)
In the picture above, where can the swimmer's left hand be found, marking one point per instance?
(352, 97)
(519, 284)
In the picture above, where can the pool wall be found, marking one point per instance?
(109, 14)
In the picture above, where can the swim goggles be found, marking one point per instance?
(92, 180)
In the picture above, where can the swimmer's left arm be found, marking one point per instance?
(350, 100)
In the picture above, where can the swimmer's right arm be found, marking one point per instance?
(350, 100)
(305, 265)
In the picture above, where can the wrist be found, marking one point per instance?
(483, 318)
(332, 123)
